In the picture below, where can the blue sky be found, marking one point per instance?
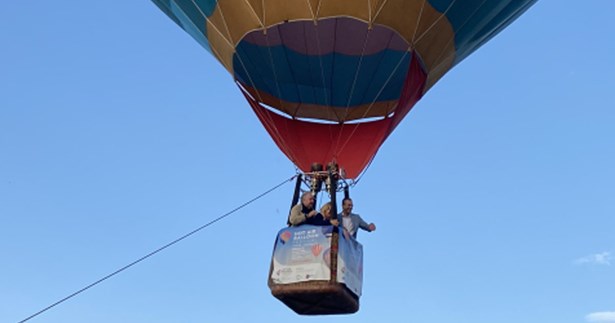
(119, 133)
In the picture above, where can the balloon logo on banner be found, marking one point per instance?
(316, 249)
(285, 236)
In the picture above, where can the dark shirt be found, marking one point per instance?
(317, 219)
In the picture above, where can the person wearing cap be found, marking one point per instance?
(303, 211)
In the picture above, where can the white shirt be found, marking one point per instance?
(347, 223)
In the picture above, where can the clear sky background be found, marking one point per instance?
(494, 199)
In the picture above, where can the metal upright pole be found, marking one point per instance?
(333, 175)
(295, 196)
(335, 238)
(333, 193)
(297, 189)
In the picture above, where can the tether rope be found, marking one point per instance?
(156, 251)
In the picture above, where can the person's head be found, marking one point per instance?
(325, 210)
(346, 206)
(307, 199)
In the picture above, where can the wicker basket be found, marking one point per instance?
(317, 297)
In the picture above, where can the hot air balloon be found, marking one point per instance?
(331, 79)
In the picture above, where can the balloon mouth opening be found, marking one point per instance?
(285, 115)
(305, 71)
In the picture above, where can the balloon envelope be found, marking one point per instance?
(331, 79)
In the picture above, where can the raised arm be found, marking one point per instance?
(366, 226)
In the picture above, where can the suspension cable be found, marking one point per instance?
(156, 251)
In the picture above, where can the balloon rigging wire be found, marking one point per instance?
(215, 52)
(322, 73)
(354, 83)
(265, 116)
(356, 126)
(355, 182)
(292, 74)
(229, 41)
(445, 60)
(418, 24)
(483, 39)
(158, 250)
(436, 21)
